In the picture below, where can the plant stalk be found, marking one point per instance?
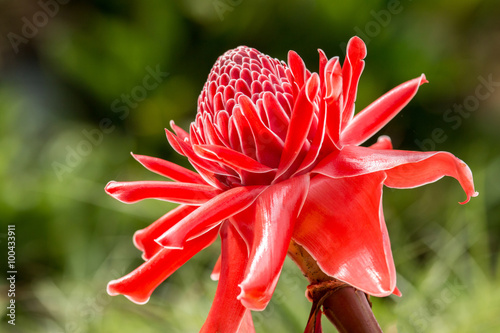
(347, 308)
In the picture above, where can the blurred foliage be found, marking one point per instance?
(72, 94)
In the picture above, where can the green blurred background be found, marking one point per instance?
(69, 67)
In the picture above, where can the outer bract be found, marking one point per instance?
(277, 155)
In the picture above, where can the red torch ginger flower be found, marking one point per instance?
(277, 155)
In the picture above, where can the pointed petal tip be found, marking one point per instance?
(199, 150)
(136, 301)
(383, 138)
(397, 292)
(383, 142)
(112, 290)
(168, 243)
(312, 87)
(111, 187)
(423, 79)
(469, 196)
(172, 124)
(363, 126)
(215, 275)
(251, 301)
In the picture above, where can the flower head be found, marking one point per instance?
(277, 155)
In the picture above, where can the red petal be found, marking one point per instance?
(247, 323)
(278, 118)
(222, 125)
(244, 133)
(210, 215)
(130, 192)
(298, 68)
(211, 135)
(227, 313)
(144, 239)
(216, 271)
(169, 169)
(333, 79)
(429, 170)
(172, 140)
(376, 115)
(206, 169)
(342, 226)
(231, 158)
(268, 145)
(405, 169)
(333, 98)
(313, 152)
(187, 150)
(351, 71)
(383, 142)
(140, 284)
(195, 129)
(273, 217)
(300, 123)
(323, 60)
(182, 134)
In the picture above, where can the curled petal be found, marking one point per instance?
(140, 284)
(405, 169)
(431, 169)
(342, 226)
(333, 79)
(130, 192)
(227, 313)
(273, 217)
(376, 115)
(168, 169)
(144, 239)
(210, 215)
